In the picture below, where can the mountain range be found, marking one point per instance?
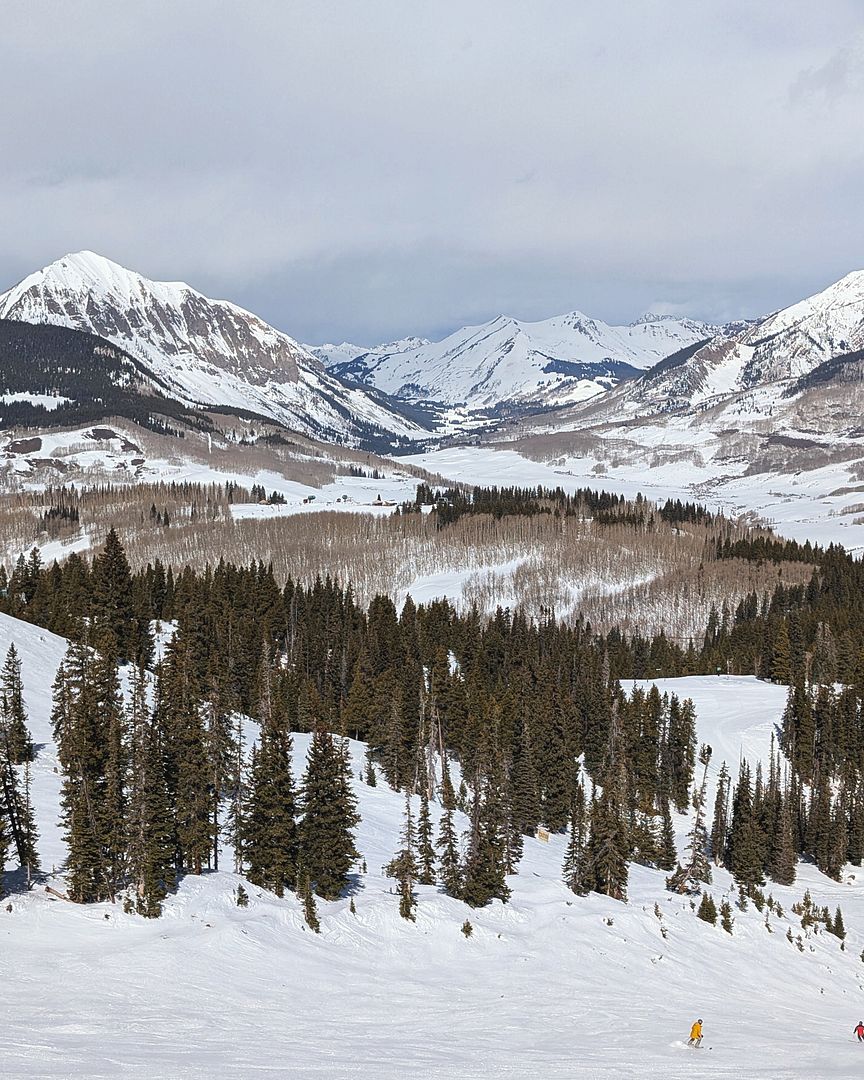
(203, 352)
(509, 362)
(794, 374)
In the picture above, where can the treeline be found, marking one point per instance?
(450, 504)
(530, 714)
(513, 704)
(17, 822)
(96, 378)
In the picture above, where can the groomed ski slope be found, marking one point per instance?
(549, 986)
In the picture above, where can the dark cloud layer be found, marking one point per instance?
(367, 170)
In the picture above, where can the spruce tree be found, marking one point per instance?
(270, 836)
(86, 732)
(404, 866)
(425, 846)
(707, 909)
(14, 736)
(606, 855)
(667, 851)
(329, 817)
(744, 848)
(449, 863)
(783, 859)
(307, 897)
(574, 870)
(485, 873)
(525, 800)
(720, 823)
(150, 829)
(180, 714)
(4, 849)
(726, 920)
(111, 609)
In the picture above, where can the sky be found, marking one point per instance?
(365, 171)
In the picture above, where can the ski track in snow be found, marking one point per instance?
(545, 987)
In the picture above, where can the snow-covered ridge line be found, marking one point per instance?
(201, 351)
(552, 361)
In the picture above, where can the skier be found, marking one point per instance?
(859, 1031)
(696, 1034)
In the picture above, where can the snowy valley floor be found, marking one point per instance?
(551, 985)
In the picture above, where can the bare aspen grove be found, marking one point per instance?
(648, 577)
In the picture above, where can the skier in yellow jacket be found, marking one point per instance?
(695, 1034)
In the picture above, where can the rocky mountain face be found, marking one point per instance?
(508, 362)
(202, 351)
(764, 419)
(758, 370)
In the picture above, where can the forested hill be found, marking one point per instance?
(51, 376)
(513, 705)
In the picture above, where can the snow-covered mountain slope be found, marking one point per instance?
(550, 985)
(762, 419)
(792, 342)
(772, 356)
(201, 351)
(508, 362)
(330, 354)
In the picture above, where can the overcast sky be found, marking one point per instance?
(366, 170)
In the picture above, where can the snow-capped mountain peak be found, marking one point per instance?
(202, 351)
(508, 361)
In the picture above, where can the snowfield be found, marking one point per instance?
(551, 985)
(822, 505)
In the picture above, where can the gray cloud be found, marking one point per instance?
(364, 171)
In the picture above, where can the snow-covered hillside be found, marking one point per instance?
(201, 351)
(550, 985)
(331, 354)
(506, 361)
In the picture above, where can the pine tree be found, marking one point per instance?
(485, 874)
(783, 859)
(707, 909)
(726, 920)
(4, 849)
(696, 870)
(270, 836)
(720, 823)
(179, 712)
(449, 863)
(606, 855)
(14, 736)
(329, 817)
(87, 731)
(574, 870)
(838, 929)
(307, 896)
(404, 867)
(781, 659)
(113, 620)
(425, 847)
(667, 855)
(744, 848)
(150, 830)
(525, 801)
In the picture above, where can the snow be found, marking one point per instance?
(505, 360)
(47, 401)
(550, 985)
(208, 352)
(800, 505)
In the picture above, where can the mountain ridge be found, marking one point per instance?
(204, 352)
